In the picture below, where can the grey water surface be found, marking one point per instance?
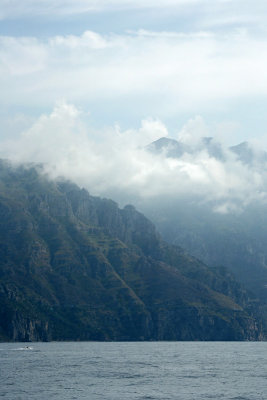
(138, 370)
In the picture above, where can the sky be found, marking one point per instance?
(121, 61)
(86, 84)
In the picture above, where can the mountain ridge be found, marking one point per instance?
(76, 267)
(173, 148)
(227, 230)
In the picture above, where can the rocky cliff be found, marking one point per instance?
(77, 267)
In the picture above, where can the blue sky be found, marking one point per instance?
(121, 62)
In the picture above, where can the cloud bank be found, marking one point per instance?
(117, 164)
(140, 73)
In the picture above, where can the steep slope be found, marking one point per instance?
(76, 267)
(238, 239)
(235, 237)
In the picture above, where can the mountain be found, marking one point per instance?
(237, 240)
(175, 149)
(77, 267)
(170, 147)
(247, 155)
(244, 152)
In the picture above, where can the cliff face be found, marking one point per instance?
(76, 267)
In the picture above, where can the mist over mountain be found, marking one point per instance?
(77, 267)
(172, 148)
(232, 234)
(244, 152)
(205, 196)
(117, 163)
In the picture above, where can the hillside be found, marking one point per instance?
(77, 267)
(236, 238)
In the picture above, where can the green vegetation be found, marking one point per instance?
(76, 267)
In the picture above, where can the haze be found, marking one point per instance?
(86, 85)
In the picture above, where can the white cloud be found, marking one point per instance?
(21, 56)
(161, 73)
(150, 130)
(118, 166)
(193, 131)
(89, 40)
(141, 73)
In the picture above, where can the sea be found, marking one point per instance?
(135, 370)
